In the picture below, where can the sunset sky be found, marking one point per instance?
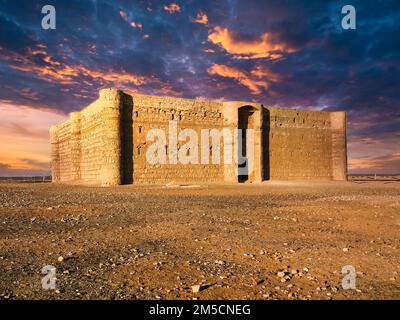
(285, 53)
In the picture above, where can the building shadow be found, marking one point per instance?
(265, 144)
(127, 140)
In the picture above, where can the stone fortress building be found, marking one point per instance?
(106, 142)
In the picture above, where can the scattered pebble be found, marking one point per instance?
(196, 288)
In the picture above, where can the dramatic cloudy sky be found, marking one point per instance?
(286, 53)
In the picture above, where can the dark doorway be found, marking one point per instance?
(245, 121)
(266, 144)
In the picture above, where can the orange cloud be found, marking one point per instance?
(262, 47)
(69, 74)
(110, 76)
(261, 72)
(253, 81)
(201, 18)
(172, 8)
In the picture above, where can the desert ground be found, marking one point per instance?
(275, 240)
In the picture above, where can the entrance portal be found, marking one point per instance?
(245, 121)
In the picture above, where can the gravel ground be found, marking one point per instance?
(276, 240)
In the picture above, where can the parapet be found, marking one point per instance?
(110, 94)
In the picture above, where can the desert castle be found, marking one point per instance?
(124, 139)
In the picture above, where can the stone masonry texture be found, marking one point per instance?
(105, 143)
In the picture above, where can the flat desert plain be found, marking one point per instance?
(275, 240)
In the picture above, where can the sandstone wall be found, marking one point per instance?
(60, 149)
(304, 145)
(87, 147)
(153, 112)
(106, 143)
(339, 146)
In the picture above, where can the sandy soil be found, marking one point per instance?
(268, 241)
